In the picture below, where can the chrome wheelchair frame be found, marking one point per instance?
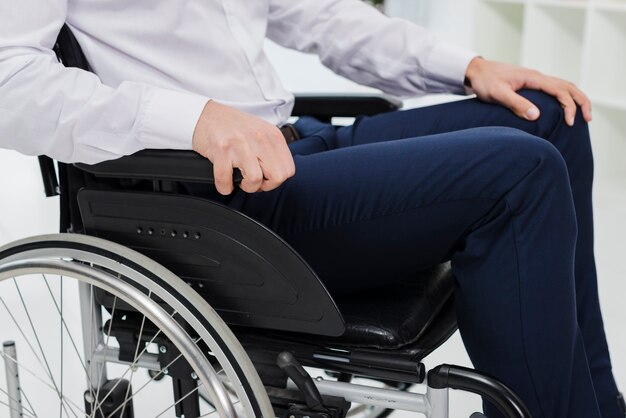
(213, 340)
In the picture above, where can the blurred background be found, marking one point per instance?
(581, 40)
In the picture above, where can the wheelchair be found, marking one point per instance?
(227, 319)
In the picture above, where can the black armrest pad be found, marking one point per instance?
(339, 105)
(171, 165)
(158, 165)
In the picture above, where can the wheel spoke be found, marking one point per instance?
(33, 374)
(26, 339)
(13, 409)
(71, 405)
(67, 330)
(61, 329)
(134, 364)
(32, 326)
(132, 373)
(17, 400)
(27, 370)
(152, 379)
(194, 390)
(208, 414)
(205, 397)
(89, 374)
(102, 366)
(63, 326)
(27, 401)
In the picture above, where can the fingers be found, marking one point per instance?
(223, 173)
(251, 171)
(583, 101)
(567, 94)
(569, 107)
(560, 90)
(277, 177)
(521, 106)
(233, 139)
(498, 82)
(235, 153)
(265, 162)
(277, 164)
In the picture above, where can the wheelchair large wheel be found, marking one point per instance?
(92, 359)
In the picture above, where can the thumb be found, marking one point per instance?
(522, 107)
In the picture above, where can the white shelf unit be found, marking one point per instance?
(583, 41)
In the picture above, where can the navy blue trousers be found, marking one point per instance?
(506, 200)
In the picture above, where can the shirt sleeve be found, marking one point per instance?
(356, 41)
(67, 113)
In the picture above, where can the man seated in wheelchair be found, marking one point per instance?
(354, 249)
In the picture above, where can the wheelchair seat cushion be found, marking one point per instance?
(399, 315)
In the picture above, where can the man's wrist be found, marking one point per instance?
(472, 69)
(446, 65)
(201, 126)
(467, 82)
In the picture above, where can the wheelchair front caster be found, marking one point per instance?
(478, 415)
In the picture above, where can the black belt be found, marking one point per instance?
(290, 133)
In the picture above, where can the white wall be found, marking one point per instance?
(453, 20)
(23, 209)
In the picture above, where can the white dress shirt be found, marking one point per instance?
(159, 61)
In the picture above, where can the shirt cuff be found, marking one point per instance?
(170, 118)
(447, 65)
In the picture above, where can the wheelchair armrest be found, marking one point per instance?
(327, 106)
(169, 165)
(172, 165)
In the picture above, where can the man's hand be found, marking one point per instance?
(497, 82)
(230, 138)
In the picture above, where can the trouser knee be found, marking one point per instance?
(520, 148)
(573, 142)
(541, 177)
